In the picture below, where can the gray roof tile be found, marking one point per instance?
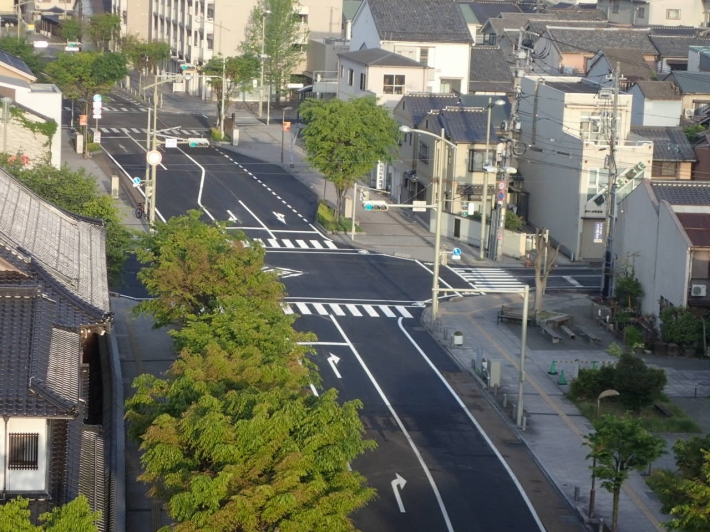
(691, 82)
(633, 66)
(419, 104)
(669, 143)
(682, 192)
(465, 125)
(676, 46)
(659, 90)
(419, 21)
(489, 70)
(16, 63)
(378, 56)
(487, 10)
(591, 40)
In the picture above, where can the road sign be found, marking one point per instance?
(170, 143)
(464, 213)
(501, 196)
(153, 157)
(98, 98)
(97, 136)
(287, 126)
(97, 105)
(419, 206)
(456, 254)
(136, 182)
(96, 115)
(501, 185)
(83, 120)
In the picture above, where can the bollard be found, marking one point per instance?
(553, 368)
(505, 400)
(525, 423)
(601, 525)
(576, 494)
(514, 412)
(562, 381)
(495, 391)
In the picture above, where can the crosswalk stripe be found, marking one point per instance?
(115, 130)
(260, 241)
(303, 308)
(67, 108)
(316, 244)
(104, 130)
(195, 132)
(287, 308)
(288, 243)
(320, 309)
(336, 308)
(371, 311)
(125, 130)
(330, 244)
(387, 312)
(353, 310)
(274, 243)
(136, 130)
(302, 243)
(403, 311)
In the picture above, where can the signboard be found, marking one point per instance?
(97, 114)
(153, 157)
(83, 120)
(136, 182)
(287, 126)
(598, 232)
(501, 196)
(501, 185)
(419, 206)
(97, 98)
(456, 254)
(170, 142)
(96, 105)
(97, 136)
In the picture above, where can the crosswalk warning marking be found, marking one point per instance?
(316, 244)
(370, 310)
(303, 308)
(288, 243)
(387, 312)
(115, 130)
(336, 308)
(274, 243)
(320, 309)
(330, 244)
(136, 130)
(403, 311)
(353, 310)
(302, 243)
(287, 308)
(346, 309)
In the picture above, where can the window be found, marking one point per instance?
(598, 179)
(351, 76)
(424, 56)
(492, 38)
(664, 169)
(590, 128)
(615, 7)
(393, 84)
(450, 85)
(673, 14)
(363, 82)
(423, 152)
(24, 450)
(342, 71)
(476, 160)
(640, 12)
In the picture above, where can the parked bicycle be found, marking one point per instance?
(139, 212)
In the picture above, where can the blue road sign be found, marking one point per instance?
(456, 252)
(501, 196)
(136, 180)
(97, 97)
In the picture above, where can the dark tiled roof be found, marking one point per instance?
(691, 82)
(486, 10)
(669, 143)
(499, 114)
(676, 46)
(515, 21)
(465, 125)
(633, 66)
(489, 70)
(419, 21)
(682, 192)
(573, 87)
(419, 104)
(377, 56)
(578, 14)
(70, 249)
(696, 226)
(659, 90)
(539, 26)
(16, 63)
(591, 40)
(673, 30)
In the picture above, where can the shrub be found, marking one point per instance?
(633, 337)
(93, 147)
(628, 290)
(591, 382)
(637, 384)
(513, 222)
(615, 350)
(216, 134)
(680, 326)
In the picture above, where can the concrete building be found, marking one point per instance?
(654, 13)
(673, 156)
(135, 16)
(656, 103)
(565, 127)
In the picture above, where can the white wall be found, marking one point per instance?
(691, 12)
(364, 32)
(673, 259)
(47, 102)
(447, 60)
(25, 480)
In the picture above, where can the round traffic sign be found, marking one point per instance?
(153, 157)
(501, 196)
(456, 252)
(501, 185)
(137, 180)
(97, 98)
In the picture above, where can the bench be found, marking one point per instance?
(551, 333)
(663, 409)
(569, 332)
(593, 339)
(508, 312)
(558, 320)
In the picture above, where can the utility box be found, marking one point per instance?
(114, 187)
(79, 141)
(348, 207)
(494, 373)
(235, 136)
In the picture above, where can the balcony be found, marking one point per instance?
(203, 24)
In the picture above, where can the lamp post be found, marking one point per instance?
(19, 15)
(262, 58)
(283, 129)
(6, 101)
(439, 214)
(593, 492)
(484, 198)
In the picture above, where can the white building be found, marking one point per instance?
(656, 103)
(655, 12)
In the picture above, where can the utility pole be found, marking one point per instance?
(611, 197)
(262, 57)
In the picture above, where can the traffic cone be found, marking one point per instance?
(553, 368)
(562, 381)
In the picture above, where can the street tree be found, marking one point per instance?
(638, 385)
(620, 445)
(238, 73)
(24, 49)
(104, 29)
(283, 35)
(544, 257)
(344, 140)
(71, 29)
(145, 56)
(189, 266)
(75, 516)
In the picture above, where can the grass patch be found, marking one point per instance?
(651, 419)
(326, 217)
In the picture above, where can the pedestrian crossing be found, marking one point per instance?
(358, 310)
(177, 133)
(116, 108)
(297, 243)
(489, 278)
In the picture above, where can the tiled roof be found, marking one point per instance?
(515, 21)
(486, 10)
(465, 125)
(696, 226)
(691, 82)
(578, 14)
(16, 63)
(69, 249)
(633, 66)
(676, 46)
(419, 104)
(499, 114)
(682, 192)
(673, 30)
(489, 70)
(378, 56)
(659, 90)
(669, 143)
(350, 7)
(419, 21)
(539, 26)
(468, 15)
(591, 40)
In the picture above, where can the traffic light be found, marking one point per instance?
(375, 205)
(198, 143)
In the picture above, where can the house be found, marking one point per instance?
(380, 72)
(656, 103)
(694, 89)
(673, 50)
(699, 59)
(490, 72)
(54, 355)
(673, 156)
(701, 147)
(653, 13)
(322, 66)
(663, 233)
(432, 32)
(350, 7)
(504, 30)
(565, 50)
(632, 67)
(565, 129)
(484, 11)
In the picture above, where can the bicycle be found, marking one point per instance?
(139, 211)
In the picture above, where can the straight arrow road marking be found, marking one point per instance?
(333, 361)
(280, 217)
(397, 484)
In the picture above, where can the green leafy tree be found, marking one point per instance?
(145, 56)
(620, 445)
(692, 512)
(345, 139)
(190, 266)
(75, 516)
(72, 29)
(104, 29)
(281, 32)
(638, 385)
(238, 74)
(680, 326)
(25, 51)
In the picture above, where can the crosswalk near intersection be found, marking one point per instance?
(489, 278)
(294, 243)
(357, 310)
(176, 133)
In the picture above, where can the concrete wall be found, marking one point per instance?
(662, 113)
(673, 258)
(364, 32)
(514, 244)
(25, 480)
(45, 99)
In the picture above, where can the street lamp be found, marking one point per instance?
(19, 14)
(484, 202)
(262, 57)
(439, 215)
(283, 129)
(593, 492)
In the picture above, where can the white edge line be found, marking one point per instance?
(476, 424)
(317, 231)
(202, 184)
(432, 483)
(441, 281)
(323, 343)
(257, 219)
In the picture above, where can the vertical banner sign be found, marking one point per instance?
(287, 126)
(380, 176)
(83, 120)
(598, 232)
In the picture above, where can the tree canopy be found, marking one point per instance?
(104, 29)
(344, 140)
(238, 74)
(75, 516)
(72, 29)
(23, 49)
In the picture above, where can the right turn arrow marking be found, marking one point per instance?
(397, 484)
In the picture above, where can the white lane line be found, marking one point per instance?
(303, 308)
(288, 243)
(387, 312)
(257, 219)
(316, 244)
(320, 309)
(302, 243)
(353, 310)
(330, 244)
(202, 184)
(371, 311)
(473, 420)
(336, 308)
(401, 426)
(274, 243)
(287, 308)
(403, 311)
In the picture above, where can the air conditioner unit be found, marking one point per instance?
(698, 290)
(688, 113)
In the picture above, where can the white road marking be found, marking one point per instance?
(387, 312)
(287, 308)
(274, 243)
(403, 311)
(371, 311)
(303, 308)
(136, 130)
(353, 310)
(302, 243)
(336, 308)
(320, 309)
(316, 244)
(288, 243)
(115, 130)
(331, 244)
(572, 281)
